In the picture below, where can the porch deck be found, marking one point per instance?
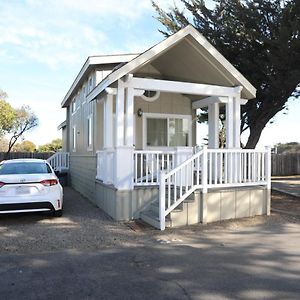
(179, 175)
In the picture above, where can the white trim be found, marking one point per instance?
(207, 101)
(163, 116)
(74, 138)
(229, 123)
(90, 132)
(113, 91)
(160, 48)
(181, 87)
(119, 120)
(96, 60)
(213, 125)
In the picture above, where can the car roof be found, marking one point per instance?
(24, 160)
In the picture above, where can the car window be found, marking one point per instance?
(24, 168)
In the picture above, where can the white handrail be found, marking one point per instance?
(59, 161)
(211, 168)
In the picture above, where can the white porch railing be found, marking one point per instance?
(105, 166)
(149, 164)
(59, 161)
(212, 168)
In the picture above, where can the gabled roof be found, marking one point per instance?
(209, 53)
(93, 61)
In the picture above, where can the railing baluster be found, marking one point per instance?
(197, 170)
(180, 171)
(169, 191)
(210, 167)
(135, 155)
(221, 168)
(216, 167)
(263, 178)
(141, 170)
(225, 167)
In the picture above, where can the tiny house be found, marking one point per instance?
(130, 135)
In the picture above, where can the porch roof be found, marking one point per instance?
(185, 56)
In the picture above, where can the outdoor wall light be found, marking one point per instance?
(139, 112)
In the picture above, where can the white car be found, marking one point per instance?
(29, 185)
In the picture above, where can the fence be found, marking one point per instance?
(14, 155)
(286, 164)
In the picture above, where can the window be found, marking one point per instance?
(24, 168)
(90, 84)
(89, 132)
(84, 93)
(73, 106)
(74, 138)
(167, 131)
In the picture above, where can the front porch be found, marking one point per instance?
(179, 171)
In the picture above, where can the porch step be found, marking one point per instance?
(151, 214)
(152, 219)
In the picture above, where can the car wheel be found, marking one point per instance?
(58, 213)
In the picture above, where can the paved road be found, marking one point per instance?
(254, 259)
(290, 186)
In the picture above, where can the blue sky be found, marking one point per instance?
(43, 45)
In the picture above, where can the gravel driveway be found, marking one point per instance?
(83, 226)
(86, 227)
(86, 255)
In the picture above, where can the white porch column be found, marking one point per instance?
(120, 114)
(237, 122)
(123, 156)
(229, 123)
(213, 126)
(108, 122)
(129, 116)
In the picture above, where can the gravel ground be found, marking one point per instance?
(86, 227)
(83, 226)
(286, 203)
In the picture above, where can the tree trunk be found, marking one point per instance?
(255, 133)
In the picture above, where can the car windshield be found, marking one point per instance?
(24, 168)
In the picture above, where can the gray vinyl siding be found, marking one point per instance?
(83, 174)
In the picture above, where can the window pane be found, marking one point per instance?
(24, 168)
(157, 132)
(89, 127)
(178, 132)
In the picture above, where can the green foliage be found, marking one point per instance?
(260, 38)
(292, 147)
(25, 120)
(7, 114)
(54, 146)
(25, 146)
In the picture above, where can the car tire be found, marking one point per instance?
(58, 213)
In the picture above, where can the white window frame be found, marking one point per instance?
(165, 116)
(90, 132)
(84, 94)
(90, 84)
(73, 106)
(74, 140)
